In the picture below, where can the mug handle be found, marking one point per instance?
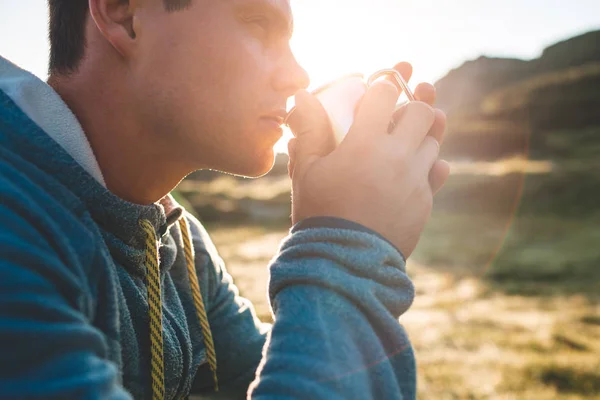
(399, 80)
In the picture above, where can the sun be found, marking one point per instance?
(363, 36)
(330, 42)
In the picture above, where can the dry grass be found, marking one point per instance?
(512, 165)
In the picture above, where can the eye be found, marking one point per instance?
(261, 23)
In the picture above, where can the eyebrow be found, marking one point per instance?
(280, 15)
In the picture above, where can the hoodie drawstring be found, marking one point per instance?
(198, 302)
(157, 371)
(155, 307)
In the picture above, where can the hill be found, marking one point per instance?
(503, 107)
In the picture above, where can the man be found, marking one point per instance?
(109, 290)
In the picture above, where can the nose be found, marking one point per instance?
(290, 77)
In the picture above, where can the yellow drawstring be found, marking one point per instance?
(198, 302)
(155, 312)
(155, 308)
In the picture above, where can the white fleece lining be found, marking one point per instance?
(47, 109)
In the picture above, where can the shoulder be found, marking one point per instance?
(42, 242)
(37, 215)
(21, 178)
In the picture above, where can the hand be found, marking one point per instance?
(384, 181)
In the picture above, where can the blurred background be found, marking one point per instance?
(508, 269)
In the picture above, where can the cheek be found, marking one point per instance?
(211, 62)
(212, 84)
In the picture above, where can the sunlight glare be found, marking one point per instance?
(362, 37)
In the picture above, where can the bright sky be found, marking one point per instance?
(334, 37)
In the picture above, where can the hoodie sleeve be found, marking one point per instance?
(49, 349)
(336, 294)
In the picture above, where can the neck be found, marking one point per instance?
(136, 166)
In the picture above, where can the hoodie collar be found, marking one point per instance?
(42, 105)
(117, 218)
(40, 102)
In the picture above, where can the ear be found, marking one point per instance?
(115, 19)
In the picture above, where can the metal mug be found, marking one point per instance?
(340, 98)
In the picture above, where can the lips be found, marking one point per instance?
(277, 116)
(277, 120)
(271, 125)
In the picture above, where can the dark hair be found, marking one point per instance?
(67, 31)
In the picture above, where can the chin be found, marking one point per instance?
(254, 167)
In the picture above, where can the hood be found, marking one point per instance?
(47, 109)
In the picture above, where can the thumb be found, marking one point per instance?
(311, 126)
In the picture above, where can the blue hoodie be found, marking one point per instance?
(74, 303)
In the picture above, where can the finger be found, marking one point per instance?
(426, 156)
(439, 125)
(292, 148)
(308, 114)
(292, 156)
(425, 92)
(438, 130)
(415, 121)
(398, 112)
(438, 175)
(311, 126)
(375, 111)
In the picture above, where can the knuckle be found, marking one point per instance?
(403, 171)
(428, 202)
(384, 89)
(292, 147)
(425, 196)
(425, 92)
(399, 155)
(441, 116)
(361, 150)
(425, 86)
(422, 110)
(402, 164)
(432, 146)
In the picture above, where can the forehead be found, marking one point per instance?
(282, 6)
(280, 9)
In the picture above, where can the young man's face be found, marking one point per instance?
(213, 80)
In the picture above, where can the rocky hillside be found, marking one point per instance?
(501, 107)
(468, 84)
